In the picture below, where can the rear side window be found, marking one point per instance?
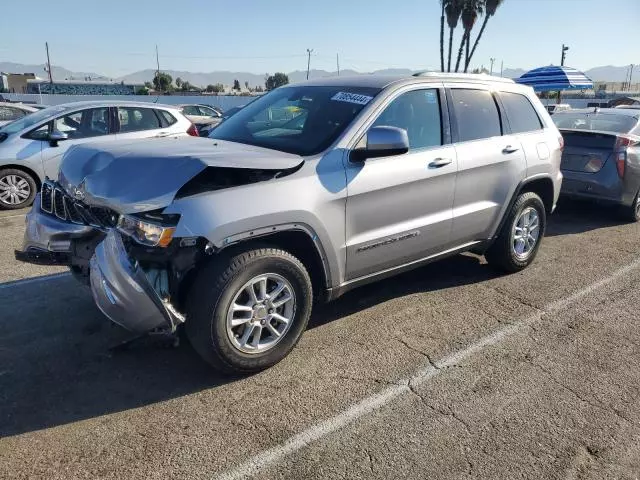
(522, 116)
(134, 119)
(166, 118)
(476, 114)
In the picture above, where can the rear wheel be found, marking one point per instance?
(17, 189)
(519, 239)
(247, 312)
(632, 213)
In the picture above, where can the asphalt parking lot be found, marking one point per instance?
(450, 371)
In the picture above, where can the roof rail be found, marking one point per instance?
(462, 76)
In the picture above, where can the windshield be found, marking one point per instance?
(604, 122)
(31, 120)
(302, 120)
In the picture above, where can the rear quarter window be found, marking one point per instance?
(521, 114)
(166, 118)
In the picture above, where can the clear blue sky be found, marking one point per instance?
(272, 35)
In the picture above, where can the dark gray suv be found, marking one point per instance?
(304, 194)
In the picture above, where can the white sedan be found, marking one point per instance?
(31, 147)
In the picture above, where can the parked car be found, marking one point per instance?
(353, 180)
(13, 111)
(231, 112)
(559, 107)
(31, 147)
(601, 158)
(202, 115)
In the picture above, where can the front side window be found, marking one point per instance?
(134, 119)
(32, 120)
(476, 114)
(303, 120)
(522, 116)
(417, 112)
(93, 122)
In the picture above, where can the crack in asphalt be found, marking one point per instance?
(417, 350)
(595, 404)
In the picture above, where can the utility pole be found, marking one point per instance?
(564, 54)
(501, 67)
(158, 67)
(46, 45)
(309, 51)
(338, 63)
(492, 60)
(630, 76)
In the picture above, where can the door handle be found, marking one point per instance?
(440, 162)
(163, 134)
(509, 149)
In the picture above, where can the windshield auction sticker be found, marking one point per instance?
(351, 98)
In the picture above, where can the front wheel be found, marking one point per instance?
(632, 213)
(247, 312)
(520, 236)
(17, 189)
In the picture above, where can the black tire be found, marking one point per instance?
(501, 253)
(632, 213)
(6, 173)
(214, 290)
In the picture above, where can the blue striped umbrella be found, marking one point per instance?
(544, 79)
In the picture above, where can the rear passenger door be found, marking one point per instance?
(491, 162)
(399, 207)
(139, 122)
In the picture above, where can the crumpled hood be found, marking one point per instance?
(146, 174)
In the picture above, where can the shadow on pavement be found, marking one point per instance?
(56, 366)
(572, 216)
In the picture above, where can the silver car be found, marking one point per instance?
(32, 147)
(13, 111)
(307, 192)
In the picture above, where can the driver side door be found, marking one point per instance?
(399, 208)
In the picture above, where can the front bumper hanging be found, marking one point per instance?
(123, 293)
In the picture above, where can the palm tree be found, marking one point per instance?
(490, 7)
(470, 12)
(453, 9)
(442, 5)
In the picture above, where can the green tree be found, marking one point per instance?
(276, 80)
(185, 86)
(236, 85)
(179, 82)
(142, 91)
(246, 85)
(162, 82)
(148, 85)
(453, 10)
(490, 7)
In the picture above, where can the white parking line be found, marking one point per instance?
(27, 281)
(316, 432)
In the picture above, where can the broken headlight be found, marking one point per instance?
(147, 233)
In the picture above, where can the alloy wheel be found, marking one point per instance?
(526, 232)
(261, 313)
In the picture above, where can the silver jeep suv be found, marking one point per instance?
(307, 192)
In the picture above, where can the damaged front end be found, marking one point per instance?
(105, 220)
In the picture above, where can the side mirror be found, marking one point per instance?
(384, 142)
(55, 137)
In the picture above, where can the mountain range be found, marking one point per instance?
(607, 73)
